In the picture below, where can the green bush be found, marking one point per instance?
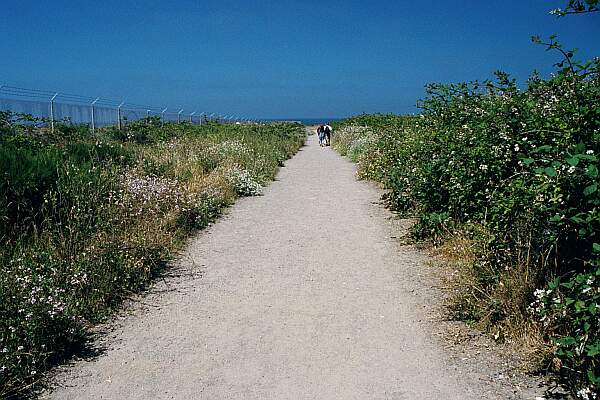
(522, 166)
(89, 219)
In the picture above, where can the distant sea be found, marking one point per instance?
(308, 121)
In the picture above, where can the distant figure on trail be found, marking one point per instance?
(321, 133)
(324, 132)
(327, 133)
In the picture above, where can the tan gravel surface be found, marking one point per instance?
(302, 293)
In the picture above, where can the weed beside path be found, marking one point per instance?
(508, 180)
(87, 220)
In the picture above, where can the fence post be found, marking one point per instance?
(93, 122)
(119, 126)
(179, 116)
(52, 112)
(162, 115)
(191, 115)
(201, 114)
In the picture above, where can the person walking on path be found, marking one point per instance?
(321, 133)
(327, 134)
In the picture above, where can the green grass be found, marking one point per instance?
(89, 220)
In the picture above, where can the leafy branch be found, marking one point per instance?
(553, 44)
(577, 7)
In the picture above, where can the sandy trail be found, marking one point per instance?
(303, 294)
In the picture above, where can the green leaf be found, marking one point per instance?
(528, 161)
(592, 171)
(593, 378)
(573, 161)
(590, 189)
(555, 218)
(577, 220)
(550, 171)
(596, 248)
(568, 285)
(566, 341)
(543, 148)
(589, 157)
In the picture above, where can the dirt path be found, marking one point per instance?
(298, 294)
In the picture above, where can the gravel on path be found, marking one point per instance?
(302, 293)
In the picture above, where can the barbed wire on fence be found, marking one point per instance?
(56, 106)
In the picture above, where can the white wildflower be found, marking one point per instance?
(242, 181)
(556, 11)
(585, 394)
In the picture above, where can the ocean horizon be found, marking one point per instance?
(308, 121)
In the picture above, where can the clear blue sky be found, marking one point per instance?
(277, 59)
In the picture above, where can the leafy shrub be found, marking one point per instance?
(568, 310)
(522, 166)
(27, 175)
(206, 209)
(242, 181)
(87, 220)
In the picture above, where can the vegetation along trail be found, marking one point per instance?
(299, 293)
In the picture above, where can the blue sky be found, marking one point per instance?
(277, 59)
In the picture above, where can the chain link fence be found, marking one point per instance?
(57, 107)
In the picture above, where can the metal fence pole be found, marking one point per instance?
(93, 122)
(179, 116)
(191, 116)
(52, 112)
(119, 126)
(162, 115)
